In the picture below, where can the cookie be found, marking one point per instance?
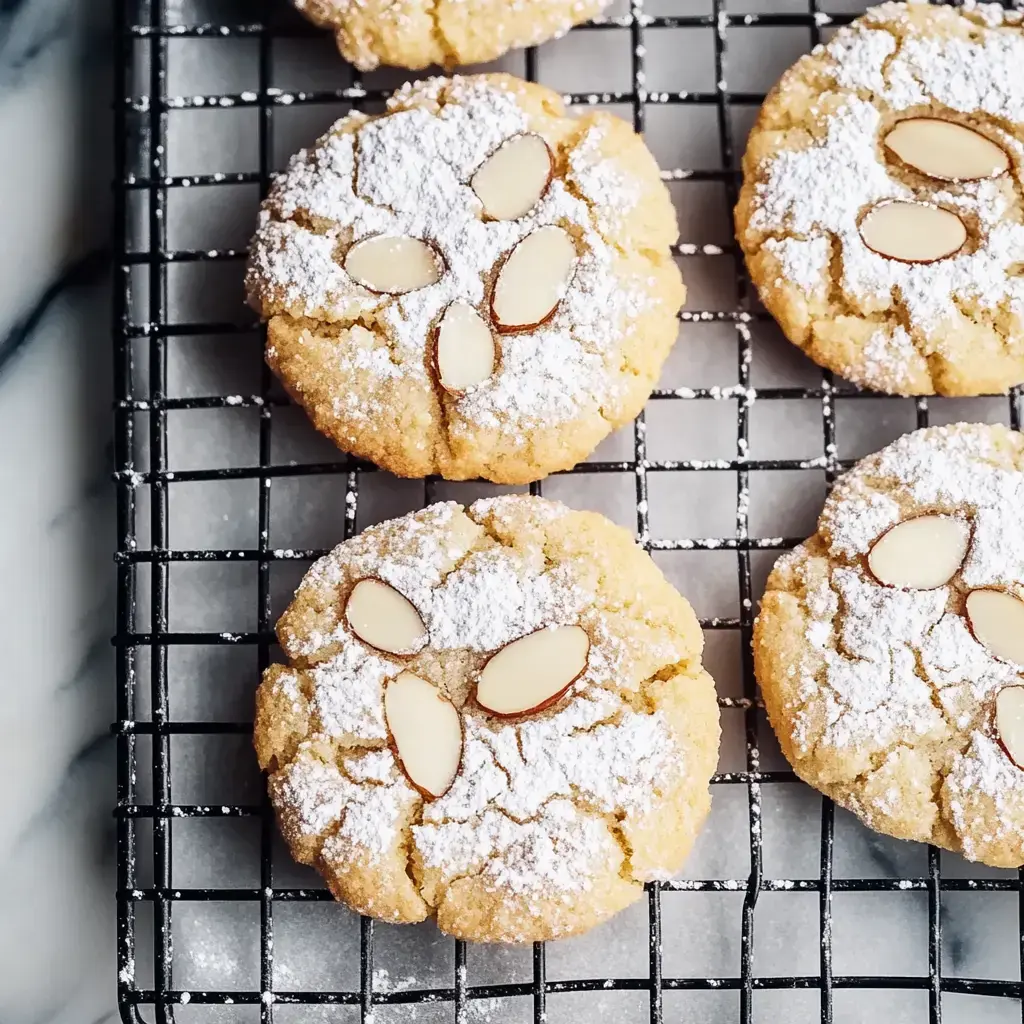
(473, 284)
(494, 716)
(890, 646)
(417, 33)
(881, 212)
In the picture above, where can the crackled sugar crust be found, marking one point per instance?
(555, 819)
(815, 164)
(881, 697)
(360, 363)
(417, 33)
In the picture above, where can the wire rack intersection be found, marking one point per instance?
(142, 104)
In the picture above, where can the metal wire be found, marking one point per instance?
(140, 111)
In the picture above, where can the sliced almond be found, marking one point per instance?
(533, 672)
(946, 150)
(464, 350)
(380, 616)
(912, 232)
(997, 621)
(511, 181)
(393, 264)
(1010, 722)
(921, 553)
(427, 733)
(533, 279)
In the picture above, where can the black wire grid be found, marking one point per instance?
(141, 41)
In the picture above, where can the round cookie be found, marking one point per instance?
(539, 746)
(881, 212)
(473, 284)
(417, 33)
(890, 645)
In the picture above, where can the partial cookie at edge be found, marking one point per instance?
(881, 697)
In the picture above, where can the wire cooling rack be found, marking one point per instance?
(150, 409)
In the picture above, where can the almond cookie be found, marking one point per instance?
(472, 284)
(881, 213)
(417, 33)
(890, 646)
(495, 716)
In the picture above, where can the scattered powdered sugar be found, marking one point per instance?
(494, 598)
(984, 771)
(806, 262)
(946, 469)
(529, 803)
(853, 535)
(370, 804)
(312, 792)
(820, 192)
(871, 692)
(383, 982)
(949, 468)
(496, 27)
(348, 693)
(599, 749)
(964, 674)
(408, 174)
(561, 850)
(888, 358)
(495, 595)
(286, 685)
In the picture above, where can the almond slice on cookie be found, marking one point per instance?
(533, 280)
(426, 731)
(514, 178)
(385, 619)
(533, 672)
(920, 553)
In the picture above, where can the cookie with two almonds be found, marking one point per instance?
(882, 209)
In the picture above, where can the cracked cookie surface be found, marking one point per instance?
(417, 33)
(947, 320)
(363, 362)
(885, 697)
(555, 817)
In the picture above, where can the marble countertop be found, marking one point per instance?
(57, 952)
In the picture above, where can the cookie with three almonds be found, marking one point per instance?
(495, 716)
(474, 283)
(882, 209)
(890, 645)
(417, 33)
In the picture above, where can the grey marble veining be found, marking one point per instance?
(57, 959)
(56, 852)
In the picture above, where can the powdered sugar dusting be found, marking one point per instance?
(347, 693)
(561, 850)
(408, 174)
(984, 771)
(869, 691)
(313, 792)
(888, 358)
(806, 261)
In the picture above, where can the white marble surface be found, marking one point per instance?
(56, 852)
(57, 958)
